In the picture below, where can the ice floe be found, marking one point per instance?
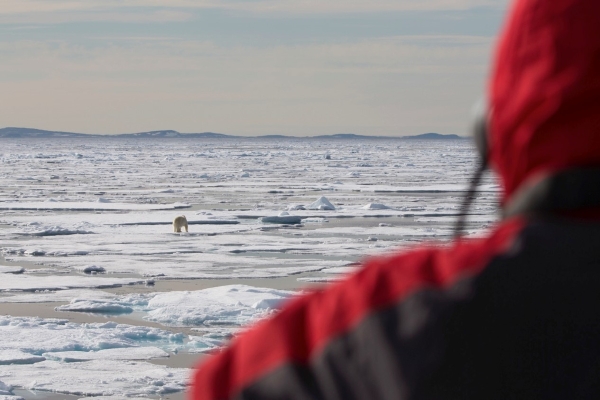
(232, 304)
(6, 392)
(9, 269)
(71, 213)
(127, 353)
(322, 203)
(82, 206)
(375, 206)
(97, 378)
(22, 282)
(36, 336)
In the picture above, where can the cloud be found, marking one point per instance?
(395, 85)
(27, 7)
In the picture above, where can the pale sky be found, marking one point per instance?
(245, 67)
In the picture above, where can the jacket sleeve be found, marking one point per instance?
(369, 336)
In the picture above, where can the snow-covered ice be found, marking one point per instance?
(88, 214)
(322, 203)
(22, 282)
(224, 305)
(97, 378)
(128, 353)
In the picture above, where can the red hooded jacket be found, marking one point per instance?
(512, 315)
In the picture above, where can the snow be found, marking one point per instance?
(375, 206)
(46, 296)
(321, 204)
(21, 282)
(91, 206)
(98, 213)
(8, 269)
(36, 336)
(97, 378)
(96, 306)
(9, 356)
(231, 304)
(129, 353)
(5, 389)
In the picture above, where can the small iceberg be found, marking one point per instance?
(376, 206)
(96, 306)
(92, 269)
(321, 204)
(7, 269)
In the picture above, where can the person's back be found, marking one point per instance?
(512, 315)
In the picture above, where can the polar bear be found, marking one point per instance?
(180, 222)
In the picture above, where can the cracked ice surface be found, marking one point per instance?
(97, 378)
(80, 215)
(36, 354)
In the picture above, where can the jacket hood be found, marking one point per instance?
(544, 91)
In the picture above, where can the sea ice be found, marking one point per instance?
(340, 270)
(96, 306)
(376, 206)
(124, 192)
(36, 336)
(97, 378)
(92, 206)
(321, 204)
(12, 282)
(9, 356)
(127, 353)
(6, 392)
(45, 296)
(9, 269)
(232, 304)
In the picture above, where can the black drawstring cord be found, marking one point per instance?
(466, 204)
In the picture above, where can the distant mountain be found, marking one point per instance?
(29, 132)
(174, 134)
(349, 136)
(39, 133)
(433, 136)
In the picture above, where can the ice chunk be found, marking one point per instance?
(376, 206)
(88, 269)
(128, 353)
(56, 231)
(31, 283)
(36, 336)
(13, 356)
(7, 269)
(5, 390)
(57, 296)
(98, 378)
(321, 204)
(232, 304)
(96, 306)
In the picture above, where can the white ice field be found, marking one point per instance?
(97, 293)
